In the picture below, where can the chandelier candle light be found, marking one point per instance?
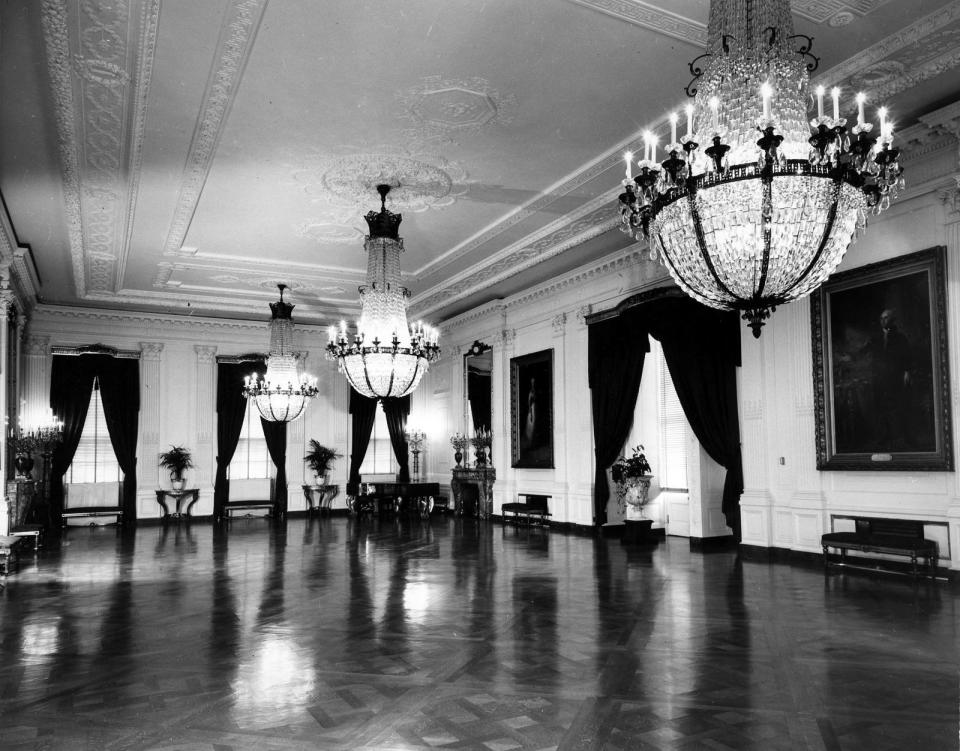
(764, 213)
(385, 358)
(282, 394)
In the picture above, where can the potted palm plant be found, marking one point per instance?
(632, 475)
(177, 460)
(318, 458)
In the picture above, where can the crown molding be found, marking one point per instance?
(473, 315)
(238, 30)
(651, 17)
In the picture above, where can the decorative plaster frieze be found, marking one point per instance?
(651, 17)
(205, 353)
(151, 351)
(36, 346)
(494, 307)
(882, 74)
(51, 313)
(240, 23)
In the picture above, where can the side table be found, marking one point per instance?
(178, 495)
(320, 497)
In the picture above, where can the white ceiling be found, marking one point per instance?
(185, 156)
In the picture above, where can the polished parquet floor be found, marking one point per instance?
(346, 634)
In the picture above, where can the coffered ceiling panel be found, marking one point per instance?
(187, 156)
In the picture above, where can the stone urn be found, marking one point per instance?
(636, 495)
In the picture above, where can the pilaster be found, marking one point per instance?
(205, 410)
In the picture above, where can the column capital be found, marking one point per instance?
(36, 346)
(205, 352)
(151, 350)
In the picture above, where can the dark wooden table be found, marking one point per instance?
(178, 495)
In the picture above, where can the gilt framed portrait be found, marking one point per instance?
(880, 367)
(531, 410)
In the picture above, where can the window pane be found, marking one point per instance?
(379, 459)
(251, 460)
(673, 432)
(95, 460)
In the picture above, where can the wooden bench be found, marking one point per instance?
(8, 552)
(245, 507)
(903, 537)
(91, 500)
(532, 510)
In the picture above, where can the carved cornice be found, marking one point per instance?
(653, 18)
(97, 349)
(474, 314)
(241, 20)
(205, 353)
(151, 351)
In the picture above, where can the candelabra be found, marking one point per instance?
(415, 440)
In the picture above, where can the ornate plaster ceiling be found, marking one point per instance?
(170, 155)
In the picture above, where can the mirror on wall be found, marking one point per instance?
(477, 369)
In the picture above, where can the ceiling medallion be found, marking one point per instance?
(754, 207)
(439, 107)
(386, 357)
(419, 181)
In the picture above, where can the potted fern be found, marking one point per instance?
(318, 458)
(177, 460)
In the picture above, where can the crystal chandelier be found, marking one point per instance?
(281, 396)
(766, 210)
(385, 358)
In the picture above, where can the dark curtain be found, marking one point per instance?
(120, 393)
(702, 350)
(276, 435)
(363, 412)
(478, 387)
(396, 412)
(231, 405)
(614, 373)
(71, 383)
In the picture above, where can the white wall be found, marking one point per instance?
(178, 390)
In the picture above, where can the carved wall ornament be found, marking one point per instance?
(205, 353)
(559, 323)
(950, 196)
(440, 108)
(36, 346)
(582, 313)
(151, 350)
(421, 181)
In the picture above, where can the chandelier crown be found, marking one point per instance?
(384, 223)
(281, 310)
(765, 210)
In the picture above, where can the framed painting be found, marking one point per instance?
(531, 410)
(880, 367)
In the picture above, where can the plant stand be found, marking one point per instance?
(638, 532)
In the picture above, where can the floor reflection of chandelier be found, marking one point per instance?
(386, 357)
(282, 394)
(766, 210)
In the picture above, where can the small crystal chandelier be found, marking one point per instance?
(385, 358)
(282, 394)
(765, 212)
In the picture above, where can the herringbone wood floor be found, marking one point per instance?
(345, 634)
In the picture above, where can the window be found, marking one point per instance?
(251, 460)
(379, 458)
(673, 430)
(94, 460)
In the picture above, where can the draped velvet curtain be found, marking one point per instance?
(701, 347)
(397, 411)
(363, 412)
(702, 350)
(614, 373)
(120, 394)
(71, 383)
(276, 436)
(231, 406)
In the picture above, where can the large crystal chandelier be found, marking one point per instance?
(764, 212)
(281, 396)
(385, 358)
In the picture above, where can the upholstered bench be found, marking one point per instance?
(903, 537)
(245, 507)
(532, 510)
(9, 546)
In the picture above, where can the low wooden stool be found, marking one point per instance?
(29, 530)
(8, 553)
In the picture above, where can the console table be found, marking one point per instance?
(320, 497)
(481, 477)
(178, 495)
